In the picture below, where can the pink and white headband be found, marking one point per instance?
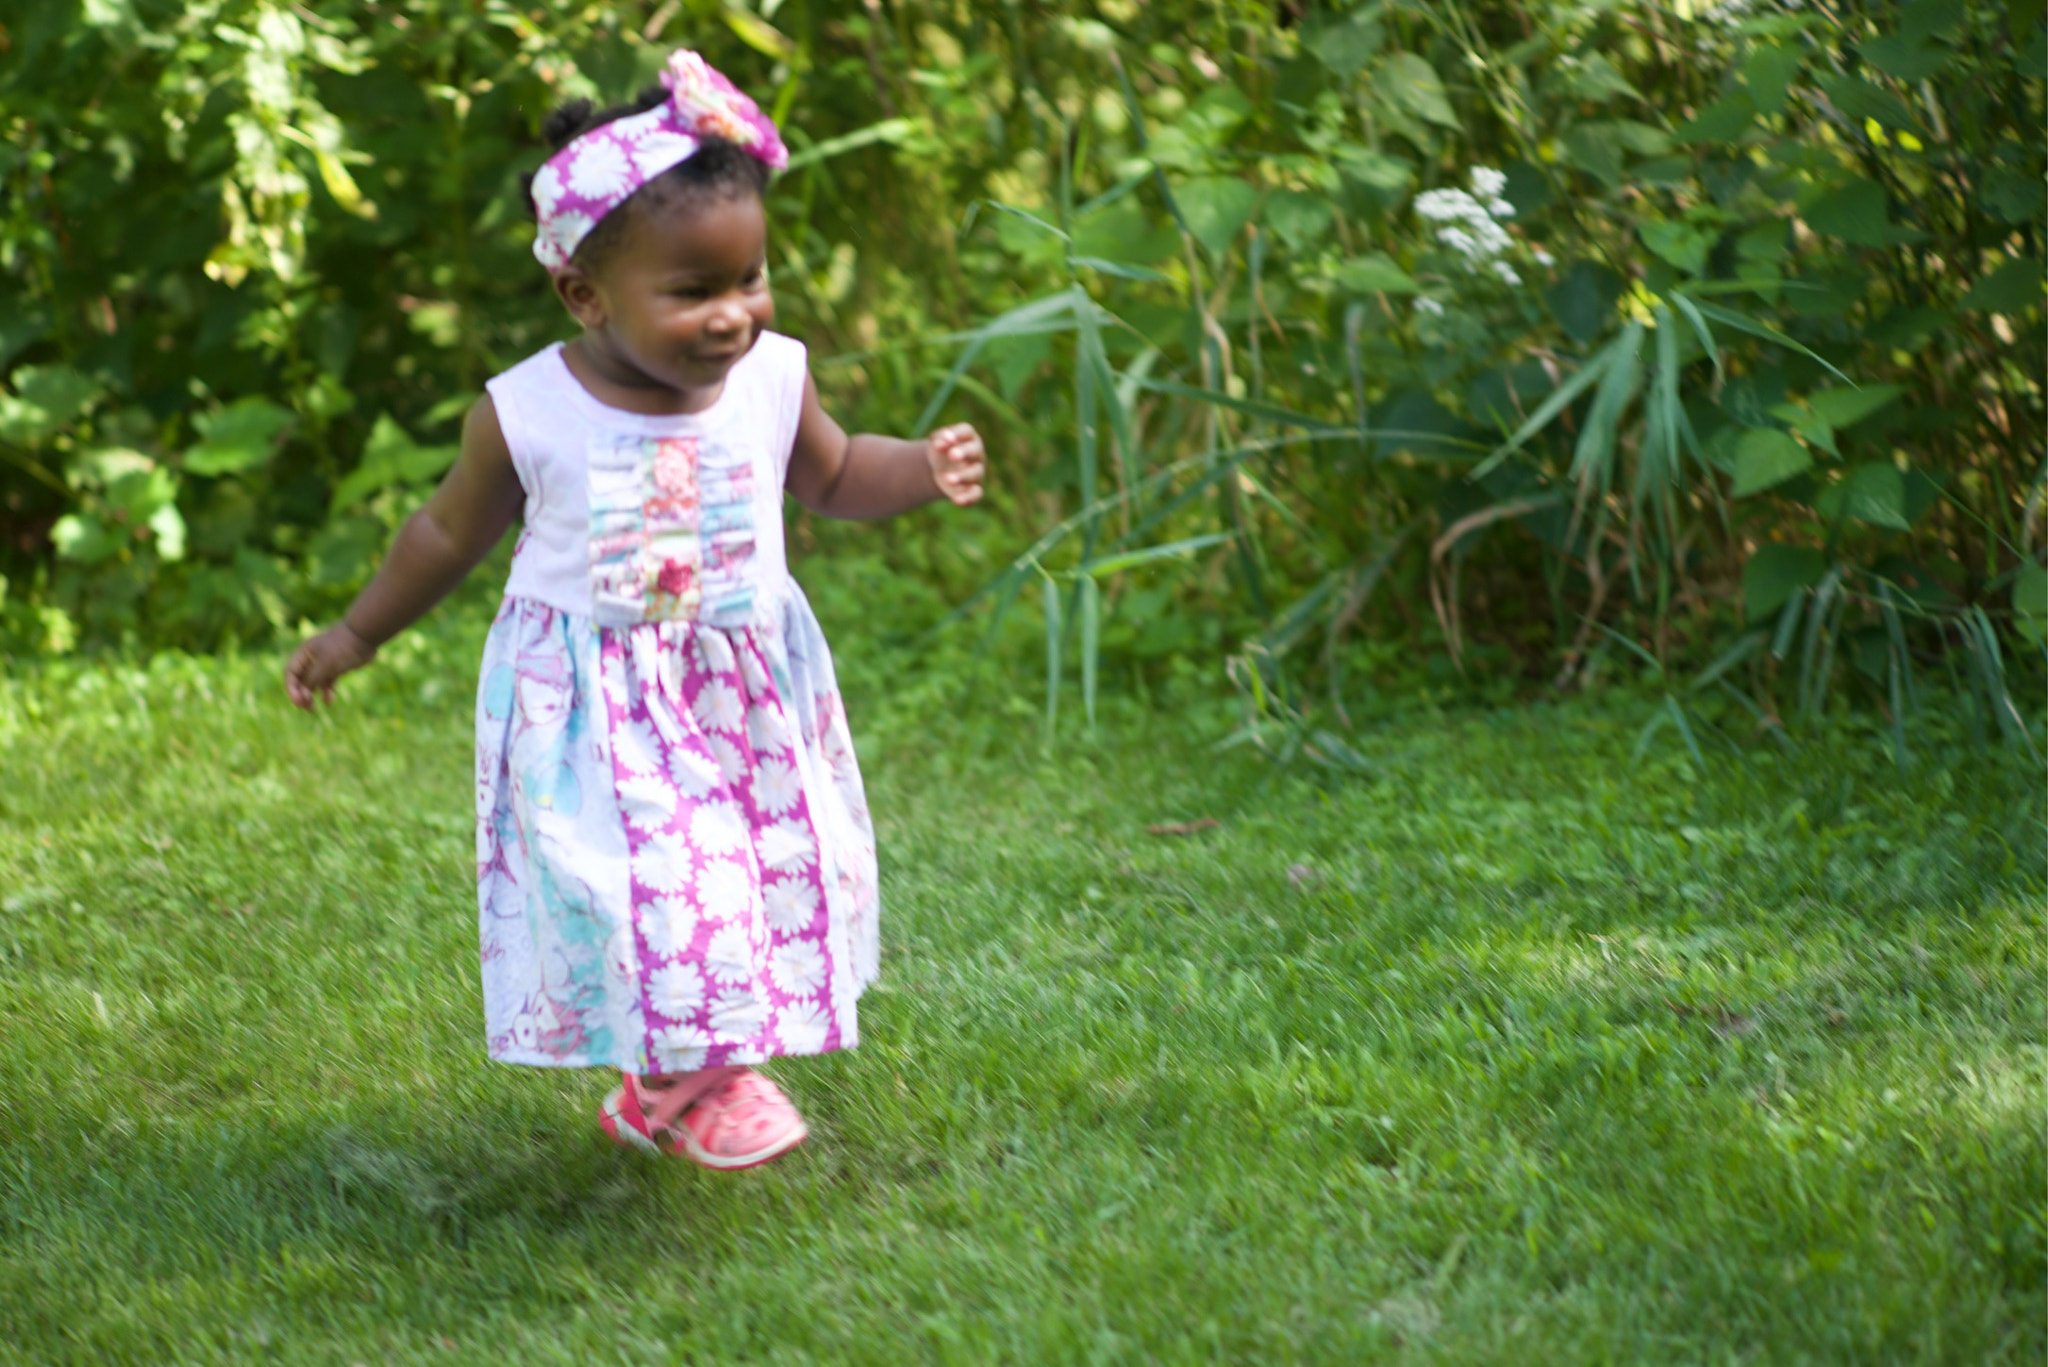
(600, 170)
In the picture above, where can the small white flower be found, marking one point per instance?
(732, 761)
(1543, 258)
(662, 865)
(637, 748)
(566, 232)
(677, 991)
(600, 170)
(797, 968)
(648, 803)
(1506, 272)
(1460, 240)
(738, 1015)
(725, 890)
(729, 958)
(1426, 305)
(718, 707)
(1448, 206)
(1487, 183)
(716, 828)
(613, 674)
(680, 1048)
(787, 845)
(801, 1027)
(658, 149)
(777, 786)
(547, 189)
(766, 730)
(669, 923)
(792, 905)
(714, 651)
(694, 773)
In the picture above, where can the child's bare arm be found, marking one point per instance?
(438, 545)
(865, 476)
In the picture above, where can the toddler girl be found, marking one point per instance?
(675, 865)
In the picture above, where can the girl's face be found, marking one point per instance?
(681, 297)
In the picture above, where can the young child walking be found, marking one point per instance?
(675, 866)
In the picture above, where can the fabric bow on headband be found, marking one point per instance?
(599, 170)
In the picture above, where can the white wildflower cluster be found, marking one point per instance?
(1470, 223)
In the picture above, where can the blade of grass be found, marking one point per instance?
(1052, 657)
(1091, 645)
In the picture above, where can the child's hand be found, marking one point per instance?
(319, 662)
(957, 461)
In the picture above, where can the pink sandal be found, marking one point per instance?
(724, 1118)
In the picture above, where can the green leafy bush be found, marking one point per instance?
(1706, 333)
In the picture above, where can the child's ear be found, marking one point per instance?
(578, 293)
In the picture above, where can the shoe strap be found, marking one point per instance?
(662, 1107)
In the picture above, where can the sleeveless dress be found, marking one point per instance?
(675, 865)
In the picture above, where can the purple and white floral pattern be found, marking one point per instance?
(576, 187)
(676, 864)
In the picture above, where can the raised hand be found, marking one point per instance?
(958, 462)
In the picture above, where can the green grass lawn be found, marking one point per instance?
(1512, 1052)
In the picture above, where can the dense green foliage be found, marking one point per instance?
(1512, 1053)
(1547, 330)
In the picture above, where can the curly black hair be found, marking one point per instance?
(718, 169)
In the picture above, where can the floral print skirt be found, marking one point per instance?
(675, 865)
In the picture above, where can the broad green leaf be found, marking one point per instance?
(2030, 600)
(1722, 121)
(1388, 174)
(86, 539)
(1594, 148)
(19, 329)
(57, 394)
(241, 436)
(1414, 85)
(1774, 572)
(1584, 299)
(1347, 44)
(1216, 209)
(1874, 493)
(2013, 286)
(1856, 213)
(1902, 57)
(1860, 100)
(1924, 19)
(1375, 273)
(390, 457)
(1680, 243)
(1768, 71)
(168, 526)
(1844, 408)
(1767, 457)
(2011, 193)
(1299, 219)
(1817, 430)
